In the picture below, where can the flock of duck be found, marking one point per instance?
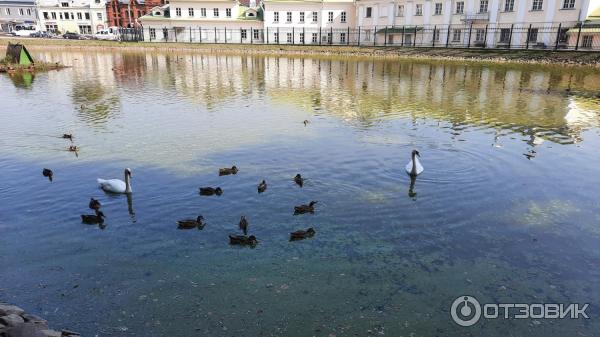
(117, 186)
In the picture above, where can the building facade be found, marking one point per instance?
(75, 16)
(17, 12)
(208, 21)
(125, 13)
(309, 21)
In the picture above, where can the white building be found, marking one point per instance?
(310, 21)
(207, 21)
(485, 22)
(17, 13)
(75, 16)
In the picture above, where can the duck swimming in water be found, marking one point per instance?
(244, 225)
(191, 223)
(94, 204)
(302, 234)
(91, 219)
(310, 208)
(73, 148)
(306, 121)
(414, 167)
(67, 136)
(210, 191)
(227, 171)
(48, 173)
(262, 186)
(243, 240)
(299, 180)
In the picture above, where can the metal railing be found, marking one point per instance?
(547, 36)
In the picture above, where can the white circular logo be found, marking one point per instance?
(465, 310)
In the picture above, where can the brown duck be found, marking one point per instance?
(48, 173)
(243, 240)
(310, 208)
(227, 171)
(94, 204)
(67, 136)
(191, 223)
(243, 225)
(299, 180)
(91, 219)
(302, 234)
(262, 186)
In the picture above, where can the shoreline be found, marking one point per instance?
(493, 56)
(14, 321)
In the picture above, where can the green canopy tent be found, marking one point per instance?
(17, 53)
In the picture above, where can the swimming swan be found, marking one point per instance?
(414, 167)
(116, 185)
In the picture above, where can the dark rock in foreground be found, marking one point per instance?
(14, 322)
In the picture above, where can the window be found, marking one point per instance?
(288, 17)
(165, 34)
(152, 33)
(46, 17)
(28, 11)
(52, 28)
(228, 12)
(87, 16)
(438, 9)
(456, 35)
(479, 35)
(342, 37)
(85, 29)
(275, 16)
(66, 15)
(302, 38)
(505, 35)
(99, 16)
(330, 16)
(216, 12)
(256, 34)
(400, 10)
(315, 16)
(64, 4)
(72, 16)
(569, 4)
(289, 37)
(191, 12)
(178, 11)
(419, 10)
(53, 15)
(276, 37)
(369, 12)
(79, 16)
(244, 34)
(343, 17)
(203, 12)
(315, 37)
(328, 39)
(436, 35)
(301, 16)
(483, 6)
(537, 5)
(60, 15)
(588, 41)
(533, 33)
(509, 5)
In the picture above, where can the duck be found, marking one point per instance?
(210, 191)
(299, 180)
(73, 148)
(262, 186)
(117, 185)
(306, 121)
(191, 223)
(243, 225)
(243, 240)
(94, 204)
(67, 136)
(302, 234)
(93, 219)
(227, 171)
(414, 167)
(310, 208)
(48, 173)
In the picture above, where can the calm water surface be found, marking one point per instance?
(483, 219)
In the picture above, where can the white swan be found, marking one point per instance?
(117, 185)
(414, 167)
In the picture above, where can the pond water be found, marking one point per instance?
(483, 219)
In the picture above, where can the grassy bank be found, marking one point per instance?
(475, 55)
